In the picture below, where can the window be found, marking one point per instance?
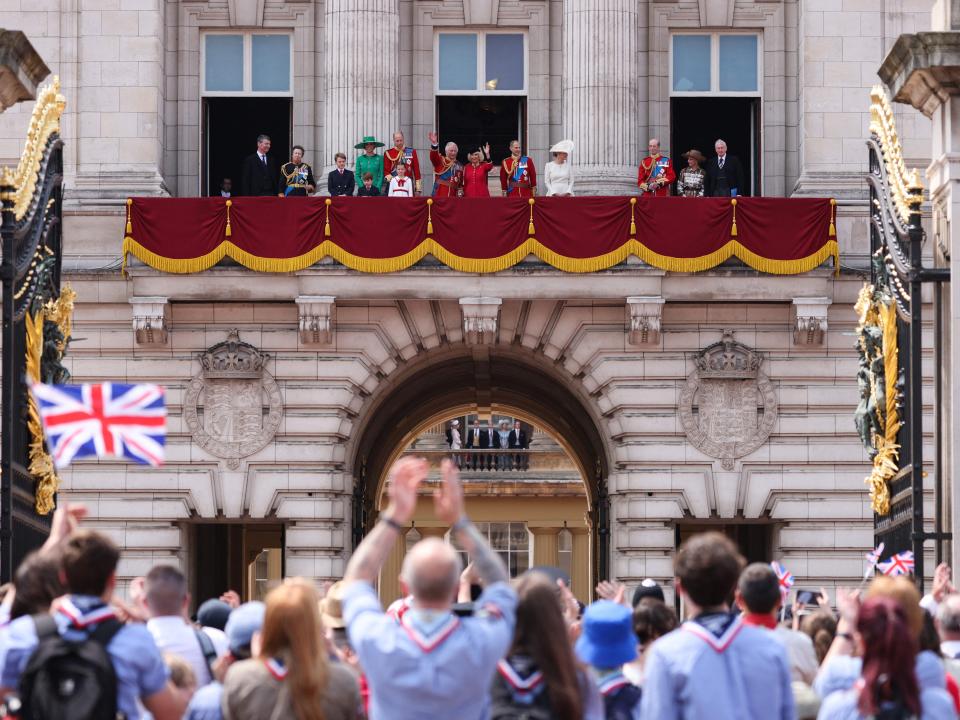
(565, 551)
(471, 63)
(511, 540)
(412, 537)
(715, 64)
(247, 64)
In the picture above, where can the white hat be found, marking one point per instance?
(564, 146)
(455, 423)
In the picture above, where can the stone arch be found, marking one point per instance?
(495, 378)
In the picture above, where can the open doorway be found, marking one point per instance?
(247, 558)
(735, 119)
(472, 120)
(753, 539)
(230, 129)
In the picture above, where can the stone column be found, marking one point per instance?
(544, 545)
(580, 572)
(390, 572)
(361, 73)
(600, 86)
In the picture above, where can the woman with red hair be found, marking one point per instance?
(888, 685)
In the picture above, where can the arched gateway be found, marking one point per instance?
(484, 380)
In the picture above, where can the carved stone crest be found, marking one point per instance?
(233, 407)
(728, 407)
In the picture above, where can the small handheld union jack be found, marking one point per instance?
(873, 558)
(104, 420)
(784, 577)
(899, 564)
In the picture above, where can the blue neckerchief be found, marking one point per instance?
(716, 623)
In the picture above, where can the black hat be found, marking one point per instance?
(647, 589)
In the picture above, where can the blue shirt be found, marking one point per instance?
(136, 660)
(430, 667)
(205, 703)
(722, 671)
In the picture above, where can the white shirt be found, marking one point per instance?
(950, 648)
(800, 653)
(400, 187)
(558, 178)
(455, 442)
(174, 635)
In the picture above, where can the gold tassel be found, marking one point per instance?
(833, 214)
(430, 217)
(531, 231)
(229, 231)
(633, 223)
(326, 227)
(129, 223)
(733, 230)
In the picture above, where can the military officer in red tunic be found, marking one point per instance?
(401, 154)
(448, 172)
(656, 172)
(518, 176)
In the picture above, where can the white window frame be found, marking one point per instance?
(480, 88)
(247, 90)
(714, 90)
(486, 534)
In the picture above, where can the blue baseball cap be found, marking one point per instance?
(607, 639)
(242, 624)
(213, 613)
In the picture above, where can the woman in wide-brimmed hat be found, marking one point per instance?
(558, 173)
(370, 161)
(692, 178)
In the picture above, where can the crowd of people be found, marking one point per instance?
(396, 172)
(466, 643)
(488, 438)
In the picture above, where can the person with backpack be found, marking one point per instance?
(540, 679)
(167, 600)
(606, 643)
(81, 663)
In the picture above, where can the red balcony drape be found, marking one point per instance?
(586, 234)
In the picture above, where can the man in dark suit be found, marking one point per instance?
(478, 438)
(340, 181)
(260, 173)
(517, 440)
(725, 174)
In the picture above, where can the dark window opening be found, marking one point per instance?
(471, 121)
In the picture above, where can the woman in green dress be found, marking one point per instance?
(370, 161)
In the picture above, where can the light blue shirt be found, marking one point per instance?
(136, 660)
(409, 679)
(835, 681)
(205, 703)
(744, 675)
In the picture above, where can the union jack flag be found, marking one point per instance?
(105, 420)
(873, 558)
(784, 577)
(899, 564)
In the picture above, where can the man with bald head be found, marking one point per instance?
(431, 663)
(447, 170)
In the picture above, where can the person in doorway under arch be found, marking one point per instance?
(656, 172)
(401, 154)
(447, 170)
(724, 173)
(518, 175)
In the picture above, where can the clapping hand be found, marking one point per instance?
(402, 483)
(942, 582)
(613, 591)
(448, 498)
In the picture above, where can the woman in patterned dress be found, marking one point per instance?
(692, 178)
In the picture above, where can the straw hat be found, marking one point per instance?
(331, 607)
(367, 140)
(695, 154)
(564, 146)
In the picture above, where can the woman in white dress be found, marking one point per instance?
(558, 173)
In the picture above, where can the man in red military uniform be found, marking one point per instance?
(447, 170)
(401, 154)
(518, 176)
(656, 172)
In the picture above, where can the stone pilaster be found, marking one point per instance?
(601, 90)
(362, 78)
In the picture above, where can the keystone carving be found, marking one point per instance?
(150, 320)
(316, 319)
(481, 316)
(645, 316)
(811, 320)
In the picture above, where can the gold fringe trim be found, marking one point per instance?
(229, 231)
(633, 222)
(429, 216)
(482, 265)
(531, 231)
(129, 223)
(326, 225)
(733, 228)
(833, 217)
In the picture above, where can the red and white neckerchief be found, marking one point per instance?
(82, 620)
(276, 668)
(611, 683)
(523, 687)
(428, 642)
(398, 608)
(717, 643)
